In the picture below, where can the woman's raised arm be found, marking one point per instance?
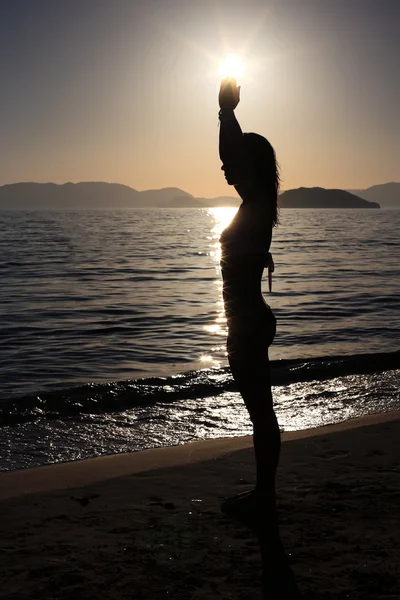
(230, 133)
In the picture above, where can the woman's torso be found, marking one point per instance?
(245, 247)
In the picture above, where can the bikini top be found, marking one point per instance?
(239, 245)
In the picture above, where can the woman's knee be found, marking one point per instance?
(258, 401)
(265, 424)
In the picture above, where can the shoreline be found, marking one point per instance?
(85, 472)
(148, 525)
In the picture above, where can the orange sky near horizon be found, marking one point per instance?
(127, 92)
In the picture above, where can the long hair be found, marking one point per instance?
(262, 156)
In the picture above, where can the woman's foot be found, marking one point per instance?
(251, 508)
(257, 510)
(239, 502)
(280, 582)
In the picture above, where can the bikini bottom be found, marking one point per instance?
(249, 338)
(248, 356)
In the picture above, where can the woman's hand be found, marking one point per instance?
(229, 94)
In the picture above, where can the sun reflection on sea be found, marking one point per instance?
(216, 327)
(221, 217)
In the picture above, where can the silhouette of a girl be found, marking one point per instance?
(249, 164)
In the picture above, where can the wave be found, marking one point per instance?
(100, 398)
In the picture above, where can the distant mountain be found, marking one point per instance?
(165, 197)
(88, 195)
(221, 201)
(321, 198)
(355, 192)
(387, 194)
(184, 202)
(101, 195)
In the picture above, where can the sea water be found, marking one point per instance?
(113, 329)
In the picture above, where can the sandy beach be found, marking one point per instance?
(148, 525)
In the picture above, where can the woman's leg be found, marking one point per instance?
(267, 443)
(252, 376)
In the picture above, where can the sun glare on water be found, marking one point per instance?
(232, 66)
(222, 216)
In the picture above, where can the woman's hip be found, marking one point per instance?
(251, 335)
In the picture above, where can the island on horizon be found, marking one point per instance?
(103, 195)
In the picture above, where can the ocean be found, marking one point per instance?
(113, 329)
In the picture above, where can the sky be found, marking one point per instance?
(126, 91)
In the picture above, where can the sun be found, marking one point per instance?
(232, 66)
